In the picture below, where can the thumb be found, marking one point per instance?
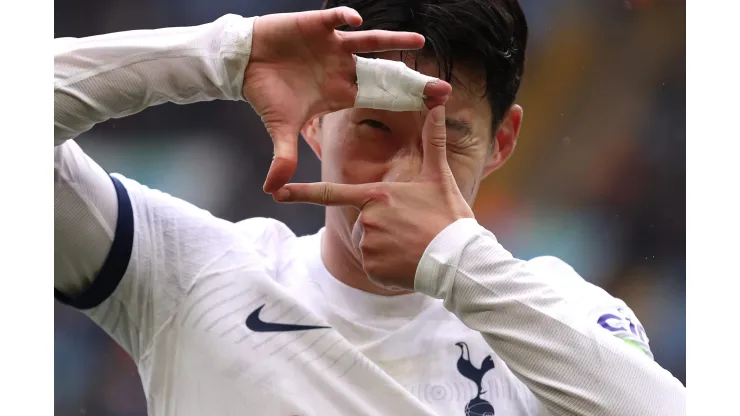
(285, 158)
(434, 140)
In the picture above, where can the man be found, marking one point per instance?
(402, 304)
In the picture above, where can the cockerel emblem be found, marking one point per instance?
(477, 406)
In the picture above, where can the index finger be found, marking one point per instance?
(380, 41)
(324, 193)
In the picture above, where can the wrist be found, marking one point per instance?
(235, 53)
(258, 57)
(438, 265)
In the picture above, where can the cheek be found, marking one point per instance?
(467, 172)
(352, 160)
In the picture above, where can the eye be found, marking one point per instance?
(376, 125)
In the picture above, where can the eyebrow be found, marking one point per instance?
(461, 126)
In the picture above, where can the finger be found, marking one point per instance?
(391, 85)
(284, 161)
(340, 16)
(324, 193)
(434, 139)
(380, 41)
(438, 88)
(431, 102)
(436, 93)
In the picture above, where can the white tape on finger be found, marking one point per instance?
(389, 85)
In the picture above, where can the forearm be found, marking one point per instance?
(119, 74)
(571, 364)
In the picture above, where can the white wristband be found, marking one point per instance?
(389, 85)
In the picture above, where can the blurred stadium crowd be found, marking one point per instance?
(598, 178)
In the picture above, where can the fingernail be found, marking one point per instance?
(438, 115)
(281, 195)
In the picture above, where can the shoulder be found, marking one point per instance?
(268, 233)
(273, 242)
(596, 304)
(565, 280)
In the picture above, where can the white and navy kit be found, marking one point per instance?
(244, 319)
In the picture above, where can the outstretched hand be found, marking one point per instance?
(398, 220)
(302, 67)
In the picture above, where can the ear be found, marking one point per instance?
(311, 132)
(506, 137)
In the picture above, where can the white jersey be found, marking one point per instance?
(244, 319)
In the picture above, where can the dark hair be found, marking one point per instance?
(489, 36)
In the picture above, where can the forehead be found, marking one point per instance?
(468, 87)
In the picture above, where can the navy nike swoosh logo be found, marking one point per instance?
(258, 325)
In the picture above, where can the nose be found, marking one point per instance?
(405, 166)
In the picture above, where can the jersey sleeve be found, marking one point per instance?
(570, 342)
(153, 251)
(118, 74)
(124, 254)
(594, 303)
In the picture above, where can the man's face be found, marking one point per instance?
(364, 146)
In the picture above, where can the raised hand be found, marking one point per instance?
(301, 67)
(398, 220)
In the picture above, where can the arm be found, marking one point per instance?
(116, 75)
(537, 322)
(119, 74)
(108, 231)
